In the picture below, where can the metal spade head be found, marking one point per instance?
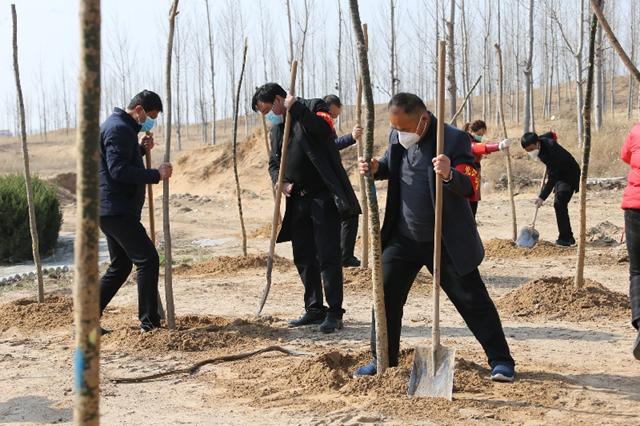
(528, 237)
(432, 373)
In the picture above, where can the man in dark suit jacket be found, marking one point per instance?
(410, 165)
(318, 194)
(123, 177)
(563, 178)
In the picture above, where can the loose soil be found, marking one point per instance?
(500, 248)
(232, 264)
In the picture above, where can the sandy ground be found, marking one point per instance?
(574, 369)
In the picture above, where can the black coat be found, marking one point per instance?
(122, 172)
(459, 231)
(316, 137)
(561, 166)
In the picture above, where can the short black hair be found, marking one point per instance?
(148, 100)
(410, 103)
(267, 93)
(333, 100)
(529, 138)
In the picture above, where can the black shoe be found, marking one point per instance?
(636, 347)
(566, 243)
(352, 262)
(331, 324)
(104, 331)
(309, 317)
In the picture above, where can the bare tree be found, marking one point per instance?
(86, 304)
(392, 51)
(382, 348)
(528, 74)
(288, 3)
(166, 223)
(33, 226)
(586, 149)
(362, 182)
(633, 39)
(235, 151)
(453, 89)
(304, 30)
(213, 75)
(177, 53)
(339, 62)
(465, 61)
(599, 80)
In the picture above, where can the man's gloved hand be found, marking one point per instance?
(504, 144)
(538, 202)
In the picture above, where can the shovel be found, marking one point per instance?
(529, 236)
(432, 372)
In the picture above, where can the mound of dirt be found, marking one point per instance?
(28, 315)
(193, 333)
(500, 248)
(66, 181)
(231, 264)
(359, 279)
(262, 232)
(604, 234)
(558, 298)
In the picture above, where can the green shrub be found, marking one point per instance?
(15, 237)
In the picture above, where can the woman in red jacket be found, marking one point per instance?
(476, 130)
(631, 205)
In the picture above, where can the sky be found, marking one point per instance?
(48, 47)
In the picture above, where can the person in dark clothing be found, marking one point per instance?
(410, 165)
(123, 177)
(563, 178)
(349, 226)
(318, 195)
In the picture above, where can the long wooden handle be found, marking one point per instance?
(535, 215)
(437, 231)
(278, 198)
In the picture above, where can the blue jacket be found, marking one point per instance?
(459, 232)
(344, 141)
(122, 172)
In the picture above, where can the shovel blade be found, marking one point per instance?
(429, 379)
(528, 237)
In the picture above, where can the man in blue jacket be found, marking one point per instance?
(410, 165)
(349, 226)
(123, 177)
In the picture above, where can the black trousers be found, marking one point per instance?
(564, 192)
(129, 244)
(474, 207)
(348, 235)
(401, 262)
(315, 239)
(632, 235)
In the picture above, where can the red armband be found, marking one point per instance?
(326, 117)
(474, 177)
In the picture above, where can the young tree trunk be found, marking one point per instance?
(290, 32)
(339, 63)
(598, 80)
(586, 150)
(178, 115)
(305, 30)
(86, 300)
(392, 51)
(528, 74)
(235, 151)
(382, 347)
(453, 89)
(166, 224)
(514, 224)
(213, 76)
(363, 186)
(466, 82)
(33, 227)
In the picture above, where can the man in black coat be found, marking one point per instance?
(563, 178)
(123, 177)
(349, 226)
(410, 165)
(318, 194)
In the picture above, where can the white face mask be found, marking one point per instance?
(534, 154)
(408, 139)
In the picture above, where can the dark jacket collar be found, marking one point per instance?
(124, 116)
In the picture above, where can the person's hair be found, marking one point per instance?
(148, 100)
(411, 104)
(476, 126)
(528, 138)
(332, 100)
(267, 93)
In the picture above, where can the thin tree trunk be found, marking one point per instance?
(290, 33)
(392, 50)
(213, 76)
(86, 291)
(598, 80)
(586, 150)
(235, 151)
(178, 115)
(382, 347)
(339, 63)
(33, 227)
(363, 185)
(528, 71)
(453, 88)
(166, 223)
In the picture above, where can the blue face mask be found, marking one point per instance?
(478, 138)
(274, 119)
(148, 124)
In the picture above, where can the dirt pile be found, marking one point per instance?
(558, 298)
(604, 234)
(65, 184)
(500, 248)
(262, 232)
(359, 279)
(28, 315)
(231, 264)
(193, 333)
